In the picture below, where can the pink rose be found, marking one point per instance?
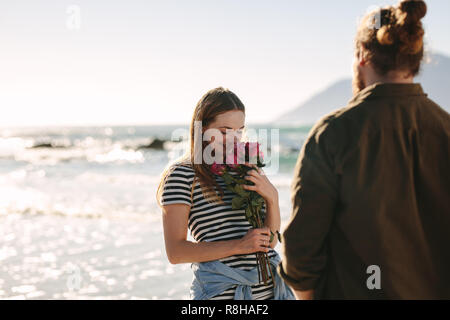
(218, 169)
(253, 152)
(231, 160)
(240, 152)
(236, 156)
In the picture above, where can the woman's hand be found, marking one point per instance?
(262, 185)
(256, 240)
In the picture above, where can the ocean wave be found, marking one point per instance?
(100, 172)
(87, 194)
(107, 146)
(89, 150)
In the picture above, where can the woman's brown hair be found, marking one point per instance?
(213, 103)
(391, 39)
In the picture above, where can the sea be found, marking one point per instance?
(78, 211)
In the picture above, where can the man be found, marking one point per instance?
(371, 192)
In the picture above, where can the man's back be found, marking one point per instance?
(382, 165)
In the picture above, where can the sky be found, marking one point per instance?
(99, 62)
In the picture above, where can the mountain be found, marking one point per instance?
(433, 78)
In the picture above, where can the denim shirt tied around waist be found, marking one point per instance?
(214, 277)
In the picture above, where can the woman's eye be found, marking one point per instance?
(232, 132)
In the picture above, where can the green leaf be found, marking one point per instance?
(248, 213)
(257, 201)
(227, 178)
(240, 191)
(271, 236)
(237, 202)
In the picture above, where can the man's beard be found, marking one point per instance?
(358, 82)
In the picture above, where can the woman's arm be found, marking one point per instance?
(179, 250)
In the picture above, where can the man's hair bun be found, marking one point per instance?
(398, 42)
(411, 11)
(409, 26)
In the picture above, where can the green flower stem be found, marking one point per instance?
(251, 201)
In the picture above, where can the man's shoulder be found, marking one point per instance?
(340, 128)
(437, 114)
(334, 122)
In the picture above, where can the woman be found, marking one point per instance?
(194, 198)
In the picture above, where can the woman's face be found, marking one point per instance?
(229, 127)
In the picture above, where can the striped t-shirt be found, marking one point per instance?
(214, 222)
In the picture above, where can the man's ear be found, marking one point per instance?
(362, 61)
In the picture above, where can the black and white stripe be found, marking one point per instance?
(213, 222)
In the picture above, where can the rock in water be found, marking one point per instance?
(45, 145)
(157, 144)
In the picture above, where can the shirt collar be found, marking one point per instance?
(380, 89)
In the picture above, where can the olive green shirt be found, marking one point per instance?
(371, 200)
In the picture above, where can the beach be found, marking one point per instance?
(57, 257)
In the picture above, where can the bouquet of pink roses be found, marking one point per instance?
(236, 162)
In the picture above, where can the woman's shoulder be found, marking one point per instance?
(177, 184)
(184, 169)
